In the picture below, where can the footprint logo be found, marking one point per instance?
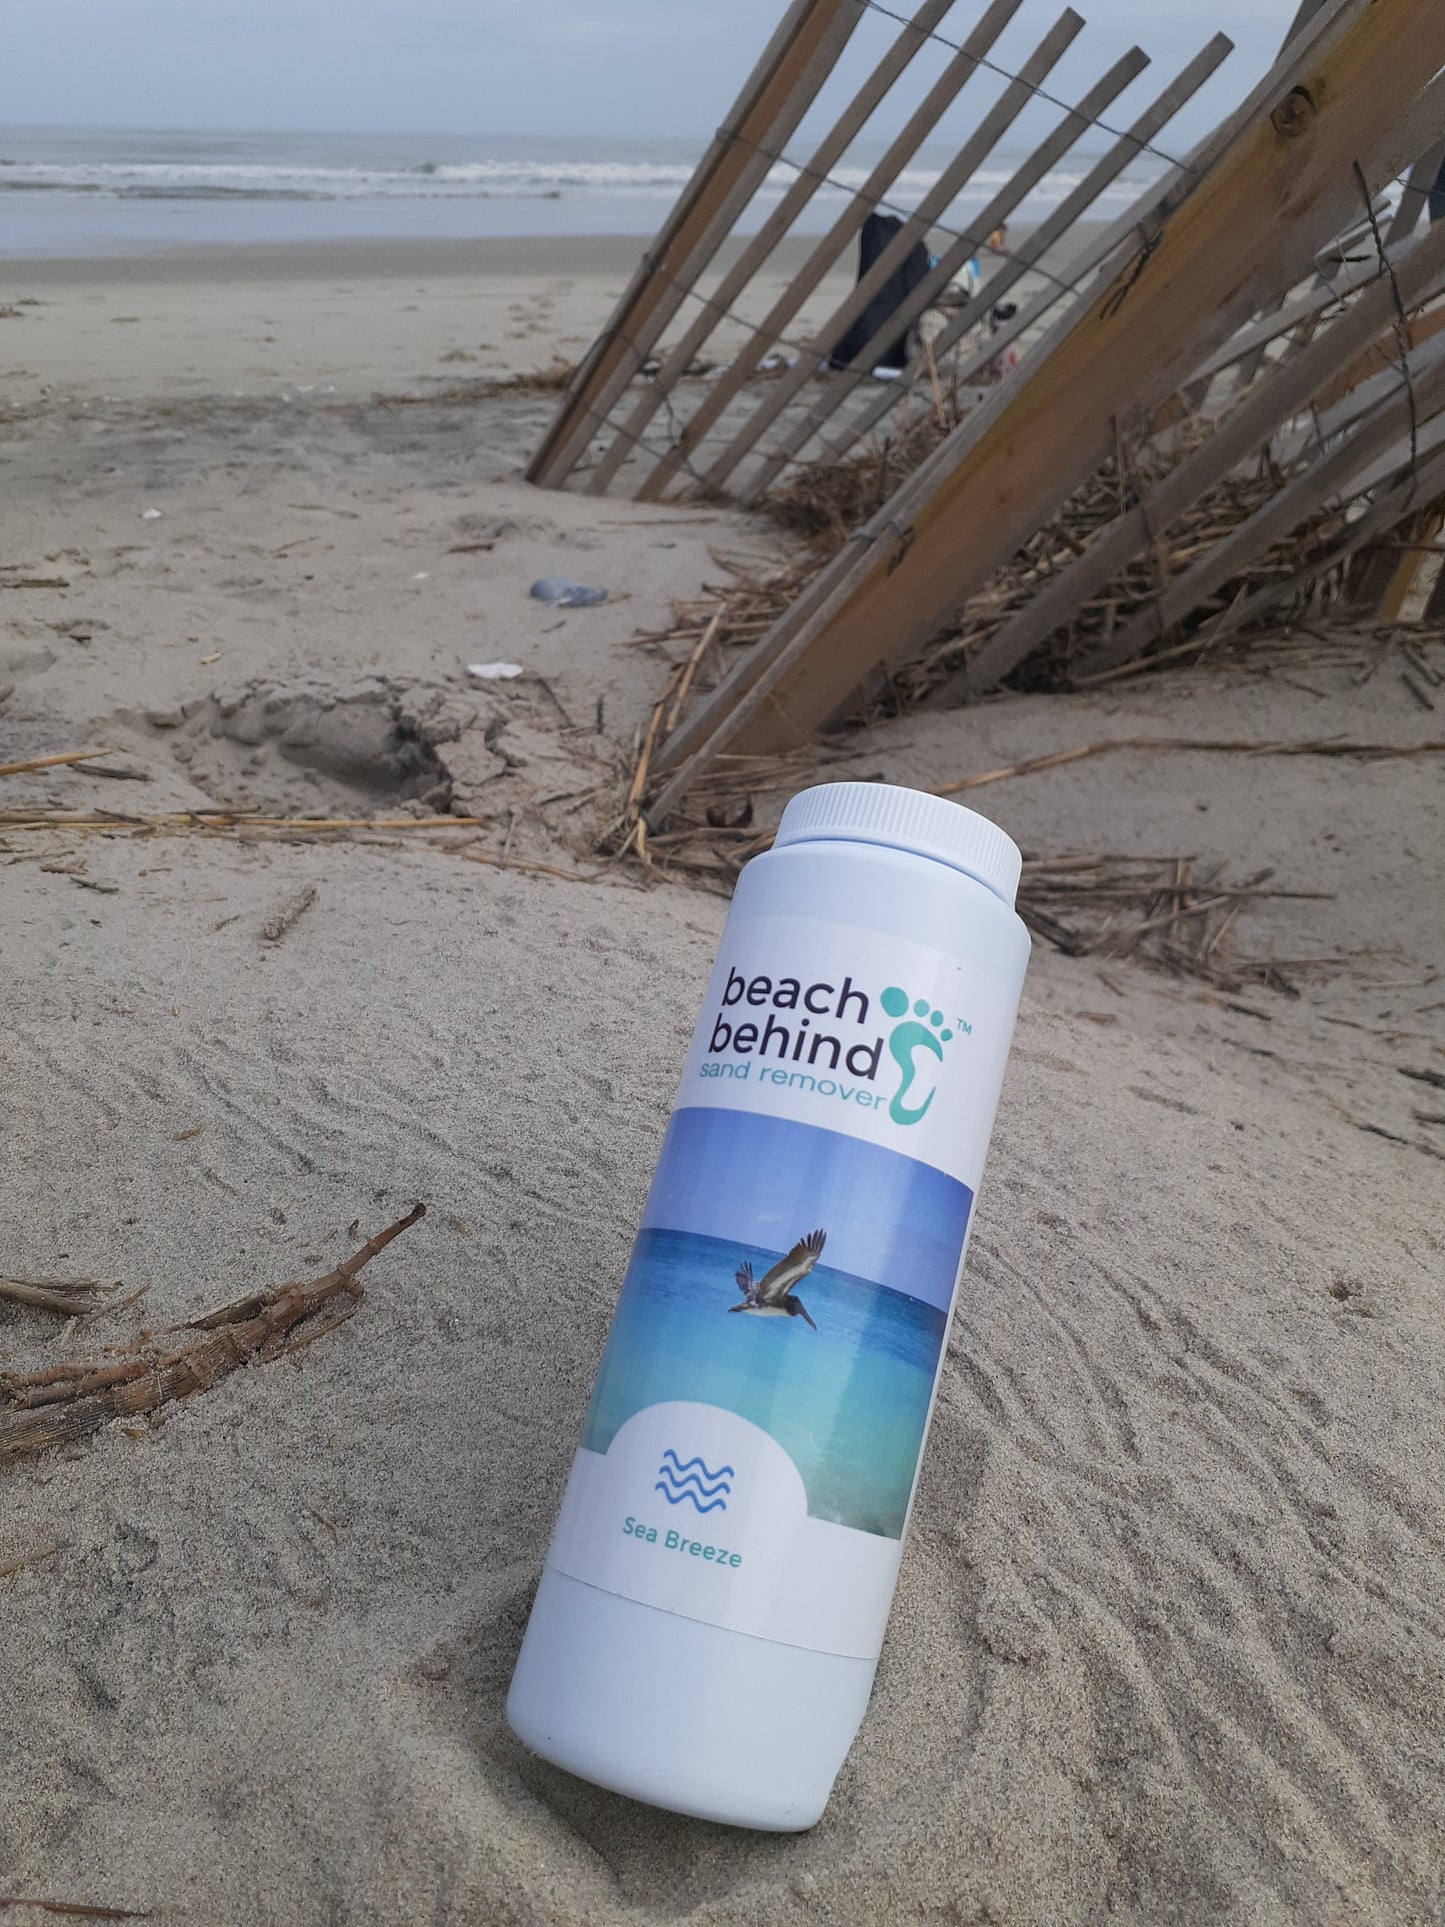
(906, 1038)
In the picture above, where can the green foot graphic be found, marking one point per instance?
(903, 1040)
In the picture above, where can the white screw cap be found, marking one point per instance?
(904, 819)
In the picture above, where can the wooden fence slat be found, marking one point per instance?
(779, 92)
(844, 382)
(1035, 245)
(1416, 193)
(985, 137)
(1304, 14)
(1351, 84)
(1397, 500)
(1259, 334)
(1381, 354)
(1379, 518)
(1246, 352)
(1342, 469)
(900, 151)
(1249, 365)
(702, 183)
(1282, 393)
(911, 39)
(1412, 579)
(1383, 470)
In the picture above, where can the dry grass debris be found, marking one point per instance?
(62, 1403)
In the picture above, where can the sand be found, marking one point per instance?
(1169, 1643)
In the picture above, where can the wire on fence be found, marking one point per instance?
(1401, 332)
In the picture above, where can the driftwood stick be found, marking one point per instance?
(205, 821)
(65, 1403)
(275, 928)
(690, 670)
(72, 1909)
(53, 762)
(71, 1297)
(26, 1559)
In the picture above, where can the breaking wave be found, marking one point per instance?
(481, 179)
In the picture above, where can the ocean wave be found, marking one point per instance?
(480, 179)
(153, 180)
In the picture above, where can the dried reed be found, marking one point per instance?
(63, 1403)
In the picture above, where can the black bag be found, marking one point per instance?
(1437, 194)
(878, 231)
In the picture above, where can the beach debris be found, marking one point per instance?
(63, 1403)
(53, 762)
(1172, 913)
(495, 671)
(220, 822)
(115, 772)
(72, 1909)
(1421, 697)
(1198, 745)
(26, 1560)
(150, 515)
(71, 1297)
(719, 819)
(275, 928)
(563, 593)
(537, 381)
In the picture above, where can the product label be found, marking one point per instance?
(751, 1448)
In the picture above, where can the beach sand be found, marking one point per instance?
(1169, 1642)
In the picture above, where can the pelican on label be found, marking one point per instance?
(771, 1296)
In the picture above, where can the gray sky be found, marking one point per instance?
(618, 67)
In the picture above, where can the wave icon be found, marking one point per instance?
(694, 1480)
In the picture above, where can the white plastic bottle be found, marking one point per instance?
(709, 1618)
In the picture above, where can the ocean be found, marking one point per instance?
(848, 1401)
(83, 191)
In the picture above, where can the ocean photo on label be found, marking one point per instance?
(801, 1279)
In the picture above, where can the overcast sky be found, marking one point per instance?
(617, 67)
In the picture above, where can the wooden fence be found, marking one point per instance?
(1272, 292)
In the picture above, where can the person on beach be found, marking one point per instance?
(874, 238)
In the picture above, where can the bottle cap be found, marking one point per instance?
(904, 819)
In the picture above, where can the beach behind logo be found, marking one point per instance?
(907, 1037)
(692, 1479)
